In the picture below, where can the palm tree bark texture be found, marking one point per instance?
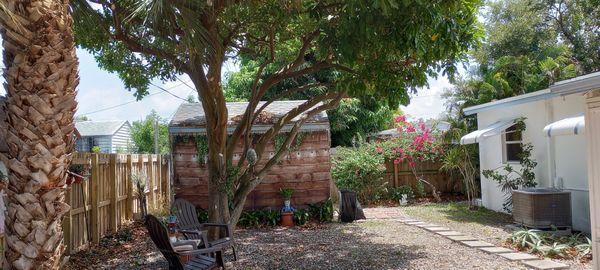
(41, 77)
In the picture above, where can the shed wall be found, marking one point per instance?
(306, 170)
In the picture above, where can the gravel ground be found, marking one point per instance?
(370, 244)
(379, 242)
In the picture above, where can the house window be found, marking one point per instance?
(512, 144)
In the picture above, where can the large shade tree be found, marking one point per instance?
(380, 49)
(41, 76)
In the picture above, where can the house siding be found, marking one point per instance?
(569, 152)
(121, 140)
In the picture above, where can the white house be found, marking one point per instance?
(110, 136)
(554, 126)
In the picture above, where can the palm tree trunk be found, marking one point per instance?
(41, 76)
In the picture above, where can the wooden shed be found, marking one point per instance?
(306, 168)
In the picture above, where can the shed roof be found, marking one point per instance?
(99, 128)
(3, 146)
(192, 114)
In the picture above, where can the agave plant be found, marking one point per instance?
(585, 248)
(524, 238)
(556, 250)
(538, 247)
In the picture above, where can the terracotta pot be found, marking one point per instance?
(287, 219)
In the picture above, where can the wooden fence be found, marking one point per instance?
(105, 200)
(400, 174)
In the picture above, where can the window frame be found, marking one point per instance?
(506, 142)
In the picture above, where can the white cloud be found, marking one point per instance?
(428, 103)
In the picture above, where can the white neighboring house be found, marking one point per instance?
(110, 136)
(554, 126)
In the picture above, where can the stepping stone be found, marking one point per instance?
(461, 238)
(405, 220)
(518, 256)
(545, 264)
(449, 233)
(496, 250)
(427, 225)
(416, 223)
(436, 229)
(476, 244)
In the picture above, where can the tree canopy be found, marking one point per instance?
(377, 49)
(525, 50)
(142, 133)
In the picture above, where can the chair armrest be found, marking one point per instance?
(199, 235)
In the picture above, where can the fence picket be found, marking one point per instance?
(107, 199)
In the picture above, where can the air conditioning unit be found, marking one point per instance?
(542, 208)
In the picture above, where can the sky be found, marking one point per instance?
(102, 96)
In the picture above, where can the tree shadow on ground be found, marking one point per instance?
(335, 246)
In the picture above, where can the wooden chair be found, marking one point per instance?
(198, 258)
(187, 220)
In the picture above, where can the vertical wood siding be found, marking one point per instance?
(306, 170)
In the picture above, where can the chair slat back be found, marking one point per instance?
(160, 237)
(187, 218)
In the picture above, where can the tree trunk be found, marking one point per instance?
(41, 77)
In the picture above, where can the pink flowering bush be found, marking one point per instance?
(415, 145)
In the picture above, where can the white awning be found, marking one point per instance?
(493, 129)
(568, 126)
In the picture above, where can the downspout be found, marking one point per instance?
(550, 146)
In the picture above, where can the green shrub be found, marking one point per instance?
(301, 216)
(321, 212)
(96, 149)
(396, 193)
(360, 170)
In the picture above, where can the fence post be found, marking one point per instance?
(396, 184)
(113, 192)
(159, 195)
(140, 169)
(67, 222)
(165, 180)
(94, 199)
(151, 204)
(129, 188)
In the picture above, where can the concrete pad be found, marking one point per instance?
(449, 233)
(518, 256)
(496, 250)
(436, 229)
(476, 244)
(545, 264)
(461, 238)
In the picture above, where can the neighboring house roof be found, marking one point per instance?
(191, 115)
(433, 125)
(3, 146)
(567, 87)
(99, 128)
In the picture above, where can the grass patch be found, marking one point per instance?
(441, 212)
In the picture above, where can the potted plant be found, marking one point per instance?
(287, 213)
